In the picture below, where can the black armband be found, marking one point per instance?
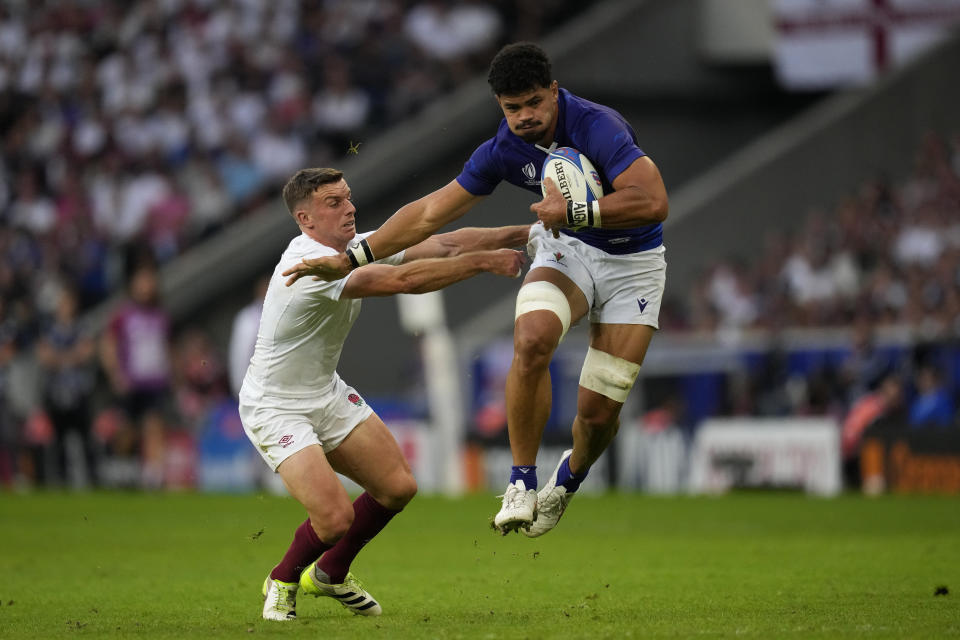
(583, 214)
(359, 253)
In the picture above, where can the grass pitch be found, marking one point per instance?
(757, 565)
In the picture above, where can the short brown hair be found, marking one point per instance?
(304, 182)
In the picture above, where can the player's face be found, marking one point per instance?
(532, 115)
(329, 215)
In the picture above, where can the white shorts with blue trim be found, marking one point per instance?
(620, 289)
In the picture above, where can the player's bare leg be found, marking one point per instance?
(528, 395)
(370, 457)
(618, 351)
(310, 479)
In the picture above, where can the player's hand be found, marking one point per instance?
(506, 262)
(552, 210)
(326, 268)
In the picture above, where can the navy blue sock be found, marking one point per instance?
(566, 478)
(526, 473)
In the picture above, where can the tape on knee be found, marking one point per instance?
(544, 296)
(608, 375)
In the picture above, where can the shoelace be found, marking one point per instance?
(286, 598)
(355, 583)
(514, 496)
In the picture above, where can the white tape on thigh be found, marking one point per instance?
(544, 296)
(608, 375)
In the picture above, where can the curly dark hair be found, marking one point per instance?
(304, 182)
(518, 68)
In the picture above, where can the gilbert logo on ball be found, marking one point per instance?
(574, 175)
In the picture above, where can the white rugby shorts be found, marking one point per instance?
(620, 289)
(279, 427)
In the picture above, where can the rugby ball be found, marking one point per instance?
(574, 175)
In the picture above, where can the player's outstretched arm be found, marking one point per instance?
(430, 274)
(467, 239)
(411, 224)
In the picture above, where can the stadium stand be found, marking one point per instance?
(130, 133)
(160, 127)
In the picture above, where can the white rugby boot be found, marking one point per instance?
(279, 600)
(552, 501)
(519, 509)
(350, 593)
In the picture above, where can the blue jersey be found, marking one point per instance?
(598, 132)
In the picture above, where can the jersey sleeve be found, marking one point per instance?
(482, 172)
(322, 288)
(610, 144)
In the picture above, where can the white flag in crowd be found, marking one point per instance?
(823, 44)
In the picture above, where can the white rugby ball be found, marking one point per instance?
(574, 175)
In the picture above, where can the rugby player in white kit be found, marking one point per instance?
(305, 421)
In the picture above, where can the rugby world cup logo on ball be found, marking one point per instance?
(574, 175)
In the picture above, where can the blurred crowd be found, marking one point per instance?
(131, 131)
(888, 254)
(884, 261)
(153, 123)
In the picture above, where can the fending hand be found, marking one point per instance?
(326, 268)
(507, 262)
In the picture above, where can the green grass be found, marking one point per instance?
(754, 565)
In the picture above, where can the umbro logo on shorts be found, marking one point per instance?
(286, 441)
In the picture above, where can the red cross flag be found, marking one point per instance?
(823, 44)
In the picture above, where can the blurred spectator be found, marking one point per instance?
(243, 336)
(134, 349)
(199, 377)
(31, 209)
(863, 369)
(277, 150)
(932, 406)
(243, 180)
(9, 432)
(886, 400)
(732, 296)
(209, 203)
(67, 356)
(448, 31)
(341, 109)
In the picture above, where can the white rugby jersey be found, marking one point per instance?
(302, 328)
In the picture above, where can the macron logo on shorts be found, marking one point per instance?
(286, 441)
(643, 304)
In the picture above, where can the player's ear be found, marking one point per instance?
(300, 215)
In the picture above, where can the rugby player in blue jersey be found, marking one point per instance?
(612, 272)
